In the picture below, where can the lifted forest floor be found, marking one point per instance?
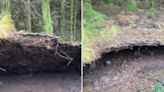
(134, 55)
(37, 63)
(128, 30)
(38, 53)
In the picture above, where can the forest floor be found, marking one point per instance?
(130, 47)
(47, 82)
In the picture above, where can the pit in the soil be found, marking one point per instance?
(128, 70)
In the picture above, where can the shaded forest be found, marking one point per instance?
(63, 16)
(43, 32)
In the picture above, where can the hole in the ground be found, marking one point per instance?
(138, 68)
(53, 67)
(118, 58)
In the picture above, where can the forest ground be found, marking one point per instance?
(47, 82)
(131, 45)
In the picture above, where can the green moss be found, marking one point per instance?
(90, 15)
(130, 5)
(92, 21)
(158, 87)
(109, 2)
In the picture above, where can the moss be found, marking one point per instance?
(158, 87)
(130, 5)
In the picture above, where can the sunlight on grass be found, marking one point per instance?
(109, 33)
(89, 55)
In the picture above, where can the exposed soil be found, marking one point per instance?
(38, 53)
(59, 82)
(129, 70)
(38, 63)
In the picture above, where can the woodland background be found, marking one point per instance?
(65, 16)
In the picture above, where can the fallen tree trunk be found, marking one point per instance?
(38, 53)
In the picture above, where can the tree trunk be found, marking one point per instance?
(46, 15)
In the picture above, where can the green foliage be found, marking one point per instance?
(92, 21)
(89, 33)
(87, 5)
(109, 2)
(158, 87)
(92, 25)
(130, 5)
(47, 17)
(90, 15)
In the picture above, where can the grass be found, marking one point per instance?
(91, 21)
(110, 2)
(95, 30)
(91, 36)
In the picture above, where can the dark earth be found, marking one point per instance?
(38, 63)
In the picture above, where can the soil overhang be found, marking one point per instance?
(38, 53)
(128, 39)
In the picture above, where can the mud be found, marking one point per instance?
(56, 82)
(128, 70)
